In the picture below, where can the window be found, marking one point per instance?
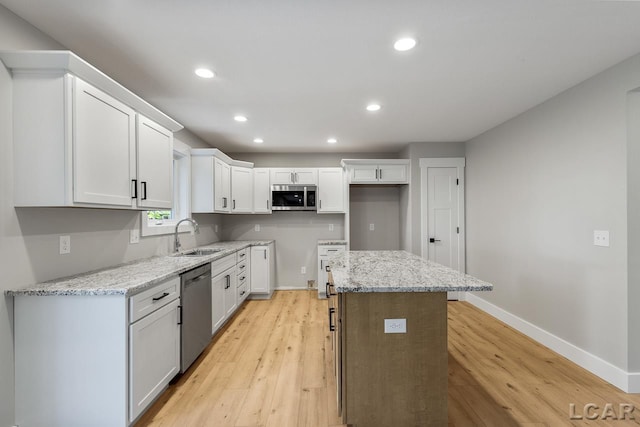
(164, 222)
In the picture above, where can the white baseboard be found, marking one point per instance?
(628, 382)
(293, 288)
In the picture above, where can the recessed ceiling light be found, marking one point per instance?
(403, 44)
(373, 107)
(258, 140)
(205, 73)
(332, 140)
(240, 118)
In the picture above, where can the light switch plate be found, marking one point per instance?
(395, 326)
(601, 238)
(330, 227)
(134, 236)
(372, 227)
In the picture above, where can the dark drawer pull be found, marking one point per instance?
(332, 326)
(166, 294)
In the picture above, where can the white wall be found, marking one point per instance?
(378, 205)
(537, 187)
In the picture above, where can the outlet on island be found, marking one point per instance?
(303, 270)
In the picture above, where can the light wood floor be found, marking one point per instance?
(272, 366)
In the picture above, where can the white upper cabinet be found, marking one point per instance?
(299, 176)
(331, 188)
(261, 190)
(155, 154)
(221, 186)
(103, 147)
(219, 183)
(241, 189)
(75, 139)
(377, 171)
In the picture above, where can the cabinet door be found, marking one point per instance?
(222, 186)
(230, 293)
(261, 191)
(218, 313)
(155, 165)
(306, 176)
(393, 174)
(363, 173)
(241, 189)
(103, 141)
(260, 269)
(202, 189)
(330, 190)
(281, 176)
(154, 346)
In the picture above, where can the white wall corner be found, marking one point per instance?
(625, 381)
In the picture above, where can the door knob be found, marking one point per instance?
(433, 240)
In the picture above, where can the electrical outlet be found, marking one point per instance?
(372, 227)
(256, 227)
(215, 228)
(311, 284)
(395, 326)
(134, 236)
(65, 245)
(330, 227)
(303, 270)
(601, 238)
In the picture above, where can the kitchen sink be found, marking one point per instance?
(199, 252)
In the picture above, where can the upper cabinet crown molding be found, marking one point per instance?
(64, 61)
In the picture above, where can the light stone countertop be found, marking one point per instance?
(397, 271)
(134, 277)
(336, 242)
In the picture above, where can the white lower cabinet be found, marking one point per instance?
(94, 360)
(324, 253)
(230, 292)
(262, 271)
(222, 271)
(154, 346)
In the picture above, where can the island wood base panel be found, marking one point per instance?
(394, 379)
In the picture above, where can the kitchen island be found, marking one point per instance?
(388, 315)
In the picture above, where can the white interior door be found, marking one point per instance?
(443, 213)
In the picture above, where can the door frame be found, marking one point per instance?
(448, 162)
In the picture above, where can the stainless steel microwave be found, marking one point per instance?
(293, 197)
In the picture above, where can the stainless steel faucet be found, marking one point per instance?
(196, 228)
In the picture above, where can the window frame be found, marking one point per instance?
(181, 196)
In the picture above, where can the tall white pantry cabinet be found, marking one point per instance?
(85, 141)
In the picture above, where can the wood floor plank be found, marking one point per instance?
(272, 365)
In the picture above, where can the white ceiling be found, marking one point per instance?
(304, 70)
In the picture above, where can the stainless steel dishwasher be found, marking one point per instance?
(195, 314)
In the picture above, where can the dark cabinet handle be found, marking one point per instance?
(180, 315)
(224, 202)
(166, 294)
(234, 204)
(143, 184)
(376, 173)
(242, 266)
(242, 278)
(135, 188)
(433, 240)
(380, 173)
(242, 293)
(228, 285)
(332, 326)
(326, 290)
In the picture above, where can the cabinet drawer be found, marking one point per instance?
(242, 267)
(243, 291)
(223, 264)
(241, 255)
(152, 299)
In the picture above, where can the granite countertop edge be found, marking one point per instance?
(397, 271)
(133, 277)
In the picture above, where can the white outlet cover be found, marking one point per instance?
(134, 236)
(215, 228)
(330, 227)
(372, 227)
(256, 227)
(601, 238)
(303, 270)
(395, 326)
(65, 245)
